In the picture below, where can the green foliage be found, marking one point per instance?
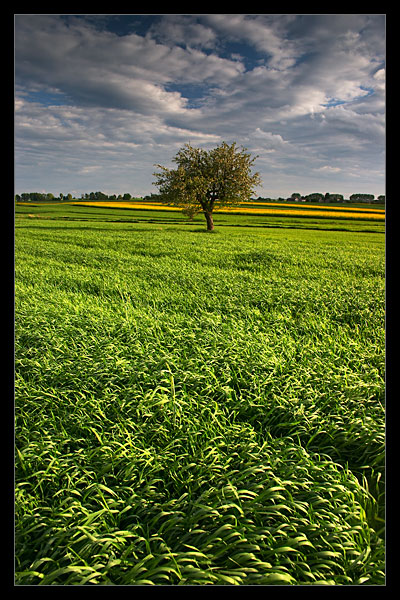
(93, 196)
(205, 179)
(316, 197)
(334, 197)
(34, 197)
(195, 409)
(190, 211)
(358, 197)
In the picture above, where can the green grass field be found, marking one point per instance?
(196, 408)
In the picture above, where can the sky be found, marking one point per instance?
(100, 99)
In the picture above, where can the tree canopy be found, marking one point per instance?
(356, 197)
(204, 179)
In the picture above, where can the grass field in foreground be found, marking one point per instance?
(198, 408)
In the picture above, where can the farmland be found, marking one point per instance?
(265, 208)
(196, 408)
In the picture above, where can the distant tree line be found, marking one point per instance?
(101, 197)
(92, 196)
(36, 197)
(355, 198)
(328, 198)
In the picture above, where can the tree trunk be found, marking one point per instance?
(209, 219)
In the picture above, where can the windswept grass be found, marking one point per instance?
(198, 409)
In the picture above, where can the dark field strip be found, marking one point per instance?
(198, 409)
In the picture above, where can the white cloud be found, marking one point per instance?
(265, 36)
(183, 29)
(329, 169)
(304, 92)
(100, 68)
(89, 169)
(98, 143)
(380, 79)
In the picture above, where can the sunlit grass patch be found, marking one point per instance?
(198, 409)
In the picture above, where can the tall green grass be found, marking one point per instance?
(198, 409)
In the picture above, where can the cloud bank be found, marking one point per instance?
(100, 99)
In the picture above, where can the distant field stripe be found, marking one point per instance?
(133, 205)
(305, 213)
(245, 206)
(311, 206)
(302, 212)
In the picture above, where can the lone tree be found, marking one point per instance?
(204, 179)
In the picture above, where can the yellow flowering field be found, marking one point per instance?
(350, 214)
(322, 207)
(137, 205)
(309, 211)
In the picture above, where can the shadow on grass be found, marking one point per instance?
(202, 230)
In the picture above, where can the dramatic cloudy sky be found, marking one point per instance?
(100, 98)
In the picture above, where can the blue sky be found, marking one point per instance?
(100, 99)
